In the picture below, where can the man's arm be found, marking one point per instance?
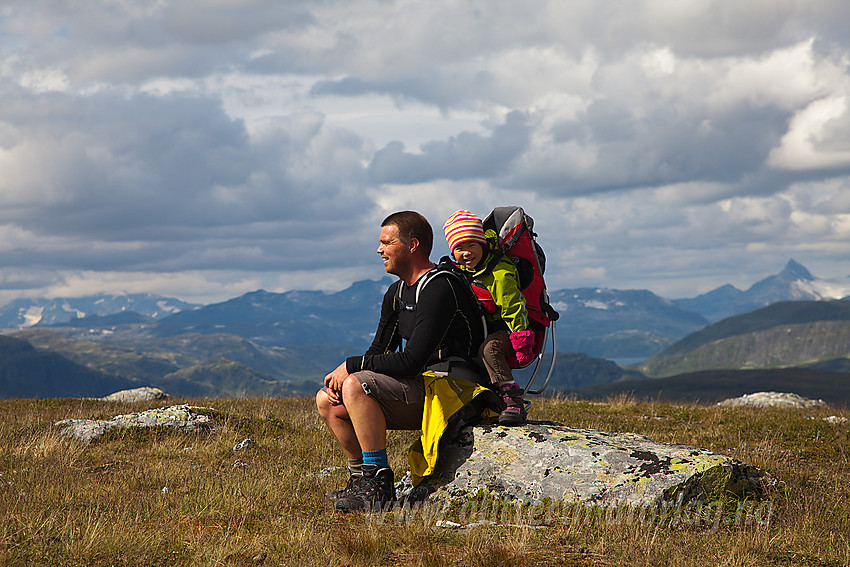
(384, 341)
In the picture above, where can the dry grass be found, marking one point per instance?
(175, 499)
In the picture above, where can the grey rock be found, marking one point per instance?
(244, 445)
(771, 400)
(543, 461)
(182, 418)
(144, 394)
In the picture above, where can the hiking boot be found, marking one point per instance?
(371, 491)
(514, 413)
(335, 495)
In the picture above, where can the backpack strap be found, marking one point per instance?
(400, 305)
(447, 268)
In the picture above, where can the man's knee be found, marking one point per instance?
(323, 404)
(352, 388)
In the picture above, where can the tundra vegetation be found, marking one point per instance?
(150, 497)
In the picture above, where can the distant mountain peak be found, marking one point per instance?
(775, 287)
(793, 283)
(795, 271)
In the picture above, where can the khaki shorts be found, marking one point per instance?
(402, 399)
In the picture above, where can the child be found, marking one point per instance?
(495, 281)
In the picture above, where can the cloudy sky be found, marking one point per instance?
(202, 149)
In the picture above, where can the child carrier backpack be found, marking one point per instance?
(516, 240)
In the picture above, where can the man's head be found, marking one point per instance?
(411, 225)
(406, 241)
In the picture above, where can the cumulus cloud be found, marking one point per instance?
(109, 181)
(220, 146)
(817, 138)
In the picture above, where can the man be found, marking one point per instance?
(383, 389)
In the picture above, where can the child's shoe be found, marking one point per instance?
(514, 414)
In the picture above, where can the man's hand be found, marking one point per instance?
(333, 384)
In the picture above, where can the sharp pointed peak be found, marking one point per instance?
(797, 270)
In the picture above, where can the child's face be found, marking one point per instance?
(468, 254)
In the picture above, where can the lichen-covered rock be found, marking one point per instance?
(771, 400)
(544, 460)
(182, 418)
(144, 394)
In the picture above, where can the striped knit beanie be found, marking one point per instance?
(464, 226)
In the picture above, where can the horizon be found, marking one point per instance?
(827, 281)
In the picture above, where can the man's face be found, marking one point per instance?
(394, 252)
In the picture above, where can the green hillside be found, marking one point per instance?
(193, 364)
(782, 335)
(577, 370)
(782, 313)
(224, 378)
(28, 372)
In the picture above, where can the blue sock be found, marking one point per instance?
(378, 458)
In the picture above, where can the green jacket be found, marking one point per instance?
(499, 286)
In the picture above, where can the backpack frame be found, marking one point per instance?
(516, 240)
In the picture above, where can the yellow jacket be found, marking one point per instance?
(445, 397)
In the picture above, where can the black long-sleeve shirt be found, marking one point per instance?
(444, 323)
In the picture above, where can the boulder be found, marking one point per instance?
(771, 400)
(181, 418)
(144, 394)
(543, 461)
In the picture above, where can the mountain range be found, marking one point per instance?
(40, 311)
(793, 283)
(264, 343)
(620, 324)
(607, 323)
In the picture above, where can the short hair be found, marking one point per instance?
(411, 225)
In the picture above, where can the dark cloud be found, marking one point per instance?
(668, 144)
(441, 88)
(168, 176)
(171, 160)
(466, 156)
(131, 42)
